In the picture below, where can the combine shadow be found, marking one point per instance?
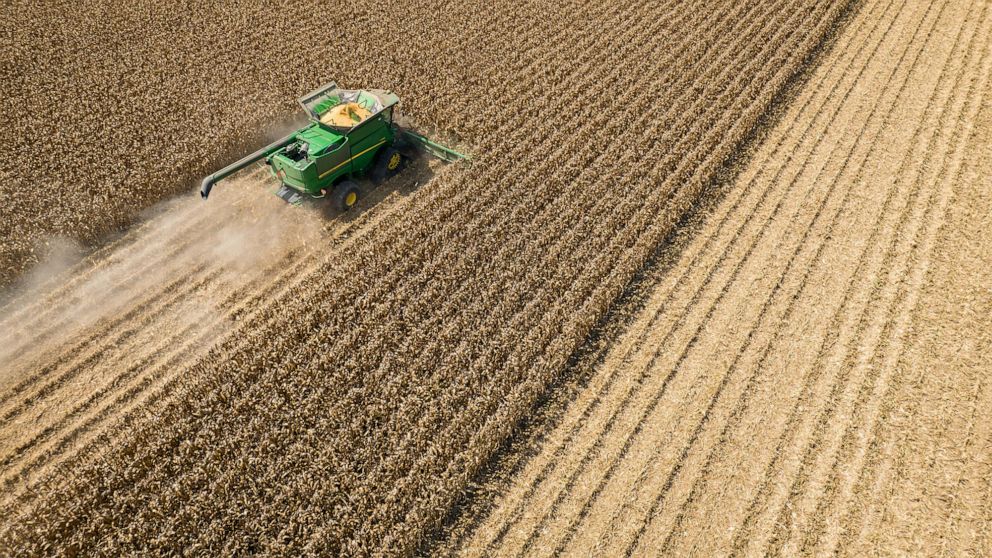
(416, 173)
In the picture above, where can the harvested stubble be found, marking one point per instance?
(789, 387)
(344, 417)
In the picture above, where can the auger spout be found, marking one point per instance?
(210, 180)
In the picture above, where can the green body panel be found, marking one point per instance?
(326, 151)
(319, 138)
(333, 154)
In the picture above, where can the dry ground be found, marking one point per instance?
(812, 376)
(335, 393)
(80, 354)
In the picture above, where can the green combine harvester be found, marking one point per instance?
(351, 134)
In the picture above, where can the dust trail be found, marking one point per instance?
(241, 229)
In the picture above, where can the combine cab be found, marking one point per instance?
(351, 134)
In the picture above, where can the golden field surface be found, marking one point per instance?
(811, 378)
(804, 374)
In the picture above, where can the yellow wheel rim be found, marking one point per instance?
(350, 199)
(394, 162)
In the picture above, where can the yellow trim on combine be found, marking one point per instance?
(348, 160)
(394, 161)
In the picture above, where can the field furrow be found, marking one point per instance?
(688, 266)
(713, 281)
(451, 324)
(700, 414)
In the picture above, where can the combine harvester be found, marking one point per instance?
(351, 134)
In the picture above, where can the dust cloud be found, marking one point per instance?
(180, 264)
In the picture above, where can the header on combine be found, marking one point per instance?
(351, 134)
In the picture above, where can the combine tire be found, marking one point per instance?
(345, 195)
(388, 162)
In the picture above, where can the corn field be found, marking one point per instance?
(770, 398)
(245, 377)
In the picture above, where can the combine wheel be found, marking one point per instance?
(388, 162)
(345, 195)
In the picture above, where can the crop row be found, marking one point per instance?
(346, 417)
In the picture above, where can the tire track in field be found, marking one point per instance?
(792, 423)
(823, 421)
(871, 394)
(943, 337)
(143, 380)
(877, 407)
(98, 294)
(79, 370)
(797, 409)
